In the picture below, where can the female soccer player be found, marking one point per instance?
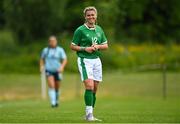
(53, 60)
(88, 39)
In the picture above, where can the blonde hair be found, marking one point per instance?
(89, 8)
(52, 37)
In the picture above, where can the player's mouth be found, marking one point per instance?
(92, 20)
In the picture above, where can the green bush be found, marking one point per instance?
(25, 58)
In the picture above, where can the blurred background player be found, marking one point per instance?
(88, 39)
(53, 60)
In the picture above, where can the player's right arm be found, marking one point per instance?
(41, 65)
(79, 48)
(42, 62)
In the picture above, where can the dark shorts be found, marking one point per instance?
(57, 76)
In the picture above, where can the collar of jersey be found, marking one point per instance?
(53, 48)
(90, 28)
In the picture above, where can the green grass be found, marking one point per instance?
(109, 110)
(131, 97)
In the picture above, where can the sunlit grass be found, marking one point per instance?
(122, 97)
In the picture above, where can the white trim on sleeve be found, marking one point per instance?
(73, 44)
(104, 42)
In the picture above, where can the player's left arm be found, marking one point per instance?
(63, 61)
(101, 46)
(63, 64)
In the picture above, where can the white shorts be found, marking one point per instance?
(90, 69)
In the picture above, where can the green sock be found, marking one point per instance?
(94, 99)
(88, 97)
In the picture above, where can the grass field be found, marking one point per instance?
(122, 97)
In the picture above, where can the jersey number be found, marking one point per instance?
(94, 40)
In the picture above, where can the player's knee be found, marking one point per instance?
(89, 84)
(51, 83)
(90, 87)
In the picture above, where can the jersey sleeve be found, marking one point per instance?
(76, 37)
(43, 53)
(103, 39)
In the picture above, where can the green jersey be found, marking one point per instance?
(86, 37)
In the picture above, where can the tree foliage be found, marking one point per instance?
(141, 20)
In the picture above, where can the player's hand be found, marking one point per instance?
(41, 69)
(96, 46)
(90, 49)
(60, 70)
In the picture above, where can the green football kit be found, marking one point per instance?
(86, 37)
(89, 64)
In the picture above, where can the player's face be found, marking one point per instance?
(52, 42)
(91, 16)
